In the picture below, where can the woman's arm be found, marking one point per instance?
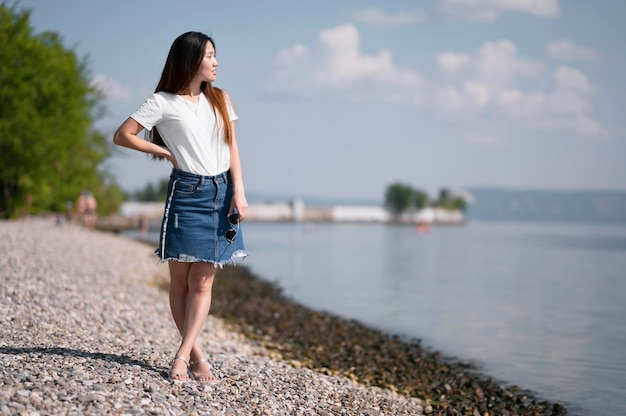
(126, 136)
(239, 195)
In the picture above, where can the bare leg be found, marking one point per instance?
(190, 301)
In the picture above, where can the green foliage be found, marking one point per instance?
(420, 199)
(48, 149)
(448, 201)
(400, 198)
(109, 195)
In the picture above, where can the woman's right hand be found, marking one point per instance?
(169, 156)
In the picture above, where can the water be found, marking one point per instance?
(538, 305)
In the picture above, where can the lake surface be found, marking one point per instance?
(539, 305)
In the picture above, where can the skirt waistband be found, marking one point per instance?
(221, 177)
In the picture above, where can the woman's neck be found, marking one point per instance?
(193, 91)
(192, 94)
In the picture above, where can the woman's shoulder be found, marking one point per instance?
(164, 96)
(161, 99)
(157, 103)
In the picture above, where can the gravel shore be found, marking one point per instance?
(83, 330)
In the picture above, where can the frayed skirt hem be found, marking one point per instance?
(237, 258)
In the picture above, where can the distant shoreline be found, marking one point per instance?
(136, 215)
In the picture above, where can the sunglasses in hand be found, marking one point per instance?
(231, 233)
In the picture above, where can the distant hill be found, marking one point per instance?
(501, 204)
(534, 205)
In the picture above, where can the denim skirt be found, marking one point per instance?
(195, 221)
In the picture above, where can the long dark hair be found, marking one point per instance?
(183, 61)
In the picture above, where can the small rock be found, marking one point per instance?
(91, 397)
(23, 393)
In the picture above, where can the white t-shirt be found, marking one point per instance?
(189, 130)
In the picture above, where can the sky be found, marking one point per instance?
(340, 99)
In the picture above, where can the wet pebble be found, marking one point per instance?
(332, 345)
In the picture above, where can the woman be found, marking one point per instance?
(191, 124)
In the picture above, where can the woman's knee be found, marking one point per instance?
(201, 276)
(201, 283)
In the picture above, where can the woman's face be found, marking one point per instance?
(208, 66)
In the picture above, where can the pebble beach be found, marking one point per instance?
(84, 331)
(85, 328)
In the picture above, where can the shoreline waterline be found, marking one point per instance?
(532, 304)
(275, 320)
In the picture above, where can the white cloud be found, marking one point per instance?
(336, 66)
(490, 10)
(498, 63)
(452, 62)
(497, 82)
(572, 79)
(494, 84)
(495, 64)
(566, 50)
(377, 17)
(471, 96)
(112, 89)
(509, 97)
(450, 98)
(478, 93)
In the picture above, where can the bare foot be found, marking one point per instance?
(202, 372)
(179, 370)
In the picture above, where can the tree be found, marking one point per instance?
(448, 201)
(460, 203)
(400, 198)
(49, 151)
(444, 197)
(420, 199)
